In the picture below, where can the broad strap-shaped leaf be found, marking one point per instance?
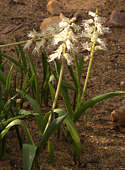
(29, 152)
(51, 128)
(66, 99)
(93, 101)
(15, 123)
(72, 130)
(22, 116)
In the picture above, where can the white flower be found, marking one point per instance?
(101, 42)
(39, 44)
(33, 34)
(99, 47)
(68, 57)
(65, 22)
(41, 39)
(67, 38)
(64, 35)
(93, 14)
(87, 46)
(28, 44)
(53, 57)
(93, 30)
(57, 53)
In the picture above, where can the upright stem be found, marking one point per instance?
(89, 67)
(59, 84)
(57, 90)
(88, 72)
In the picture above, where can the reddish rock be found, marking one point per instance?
(117, 18)
(54, 7)
(49, 21)
(118, 116)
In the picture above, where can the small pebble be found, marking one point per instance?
(122, 83)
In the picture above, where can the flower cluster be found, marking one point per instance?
(67, 38)
(93, 30)
(66, 34)
(42, 39)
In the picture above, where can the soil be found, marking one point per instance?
(102, 146)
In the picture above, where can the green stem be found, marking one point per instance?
(57, 92)
(88, 72)
(59, 85)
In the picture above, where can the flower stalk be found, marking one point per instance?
(59, 85)
(88, 72)
(17, 43)
(57, 90)
(12, 44)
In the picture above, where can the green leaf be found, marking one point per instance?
(81, 62)
(22, 56)
(51, 128)
(72, 130)
(66, 99)
(2, 77)
(29, 152)
(78, 76)
(9, 78)
(15, 123)
(93, 101)
(36, 83)
(2, 65)
(51, 151)
(12, 60)
(22, 114)
(25, 82)
(72, 75)
(52, 91)
(45, 120)
(67, 85)
(34, 103)
(64, 90)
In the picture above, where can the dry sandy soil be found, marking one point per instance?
(102, 147)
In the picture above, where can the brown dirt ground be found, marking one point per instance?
(102, 147)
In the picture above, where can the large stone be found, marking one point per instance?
(117, 18)
(54, 7)
(49, 22)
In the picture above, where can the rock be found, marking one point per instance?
(118, 116)
(117, 19)
(49, 22)
(122, 83)
(54, 7)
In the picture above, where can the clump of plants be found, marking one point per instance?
(68, 38)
